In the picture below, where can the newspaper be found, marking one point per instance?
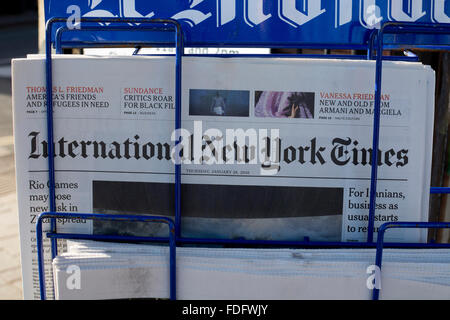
(269, 148)
(106, 272)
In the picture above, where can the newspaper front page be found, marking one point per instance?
(269, 148)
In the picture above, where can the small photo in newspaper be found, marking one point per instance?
(222, 211)
(221, 103)
(279, 104)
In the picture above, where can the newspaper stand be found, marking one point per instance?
(375, 42)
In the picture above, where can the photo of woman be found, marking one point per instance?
(278, 104)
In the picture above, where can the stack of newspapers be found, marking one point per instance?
(269, 148)
(96, 270)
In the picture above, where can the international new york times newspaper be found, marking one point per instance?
(269, 148)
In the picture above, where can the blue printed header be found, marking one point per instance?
(263, 22)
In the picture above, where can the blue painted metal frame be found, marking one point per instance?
(409, 225)
(388, 28)
(376, 38)
(59, 45)
(90, 216)
(294, 56)
(439, 190)
(59, 32)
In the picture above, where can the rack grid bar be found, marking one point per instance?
(409, 225)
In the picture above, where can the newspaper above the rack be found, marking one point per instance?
(270, 148)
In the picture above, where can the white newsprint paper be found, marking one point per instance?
(270, 148)
(117, 271)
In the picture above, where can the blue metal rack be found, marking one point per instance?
(391, 225)
(90, 216)
(375, 43)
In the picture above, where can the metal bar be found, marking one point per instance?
(293, 56)
(51, 151)
(279, 45)
(179, 54)
(303, 56)
(414, 27)
(435, 190)
(76, 44)
(250, 44)
(108, 44)
(371, 46)
(93, 216)
(304, 244)
(424, 47)
(59, 45)
(59, 32)
(254, 243)
(375, 138)
(411, 225)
